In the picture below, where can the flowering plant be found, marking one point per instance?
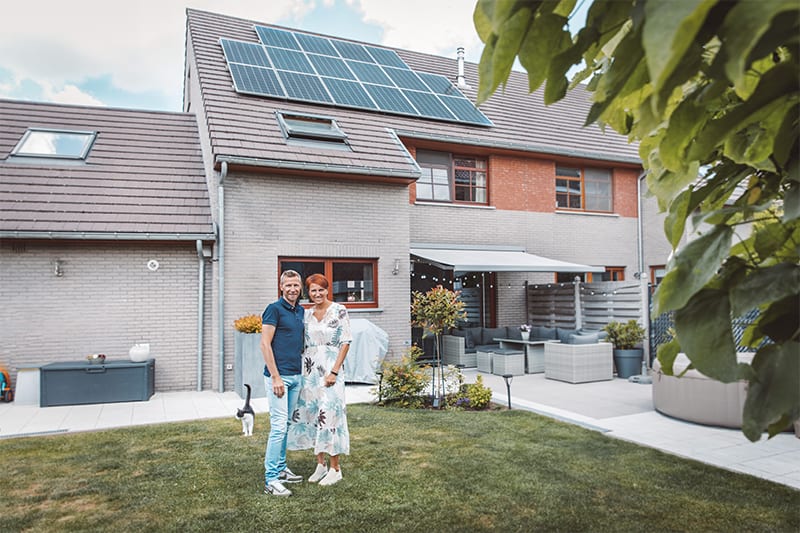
(525, 327)
(248, 324)
(95, 357)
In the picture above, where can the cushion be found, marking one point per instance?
(601, 334)
(543, 333)
(513, 332)
(489, 334)
(465, 334)
(590, 338)
(563, 334)
(474, 338)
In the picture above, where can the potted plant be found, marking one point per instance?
(248, 360)
(525, 331)
(434, 311)
(625, 337)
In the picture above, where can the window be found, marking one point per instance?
(611, 274)
(447, 178)
(61, 144)
(614, 274)
(657, 273)
(587, 189)
(311, 128)
(353, 281)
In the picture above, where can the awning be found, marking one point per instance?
(465, 258)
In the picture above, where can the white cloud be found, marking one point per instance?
(69, 94)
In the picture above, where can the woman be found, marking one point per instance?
(320, 418)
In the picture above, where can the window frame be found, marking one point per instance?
(581, 180)
(18, 150)
(333, 137)
(451, 169)
(611, 271)
(328, 263)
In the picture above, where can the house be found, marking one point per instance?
(373, 166)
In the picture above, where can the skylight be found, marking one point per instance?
(62, 144)
(311, 127)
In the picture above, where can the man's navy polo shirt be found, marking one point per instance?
(287, 343)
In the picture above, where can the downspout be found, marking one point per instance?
(639, 226)
(221, 270)
(201, 276)
(644, 378)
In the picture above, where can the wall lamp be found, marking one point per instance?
(396, 269)
(58, 269)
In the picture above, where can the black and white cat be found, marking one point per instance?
(246, 415)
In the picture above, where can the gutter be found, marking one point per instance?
(318, 167)
(100, 236)
(221, 270)
(450, 139)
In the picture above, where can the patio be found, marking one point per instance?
(618, 408)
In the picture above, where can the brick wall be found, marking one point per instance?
(271, 216)
(106, 301)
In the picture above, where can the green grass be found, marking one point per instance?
(408, 471)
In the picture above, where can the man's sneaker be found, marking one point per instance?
(287, 476)
(318, 474)
(333, 476)
(276, 488)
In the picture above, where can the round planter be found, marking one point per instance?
(139, 353)
(628, 362)
(525, 335)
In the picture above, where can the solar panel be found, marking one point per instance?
(331, 66)
(428, 105)
(311, 68)
(304, 87)
(317, 45)
(370, 73)
(352, 51)
(256, 80)
(390, 99)
(405, 79)
(289, 60)
(275, 37)
(246, 53)
(348, 93)
(465, 111)
(386, 57)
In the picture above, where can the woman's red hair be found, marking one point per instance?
(317, 279)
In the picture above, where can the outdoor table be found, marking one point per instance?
(534, 352)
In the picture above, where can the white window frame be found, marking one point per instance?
(20, 151)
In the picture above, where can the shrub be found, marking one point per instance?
(475, 396)
(624, 336)
(403, 382)
(248, 324)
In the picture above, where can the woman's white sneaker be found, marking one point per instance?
(331, 477)
(318, 474)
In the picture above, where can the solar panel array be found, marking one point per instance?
(309, 68)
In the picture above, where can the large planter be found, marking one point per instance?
(248, 364)
(628, 362)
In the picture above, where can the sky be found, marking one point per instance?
(130, 54)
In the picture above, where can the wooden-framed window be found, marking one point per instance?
(585, 189)
(614, 274)
(452, 178)
(611, 274)
(657, 273)
(354, 281)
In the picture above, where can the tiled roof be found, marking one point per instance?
(144, 176)
(243, 128)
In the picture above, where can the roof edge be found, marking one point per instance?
(112, 235)
(283, 164)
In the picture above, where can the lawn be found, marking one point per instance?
(409, 471)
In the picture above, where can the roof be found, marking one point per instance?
(242, 128)
(143, 177)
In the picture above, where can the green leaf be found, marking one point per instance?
(508, 42)
(765, 285)
(669, 30)
(753, 143)
(667, 353)
(482, 18)
(703, 326)
(773, 397)
(675, 221)
(546, 38)
(780, 320)
(743, 28)
(693, 266)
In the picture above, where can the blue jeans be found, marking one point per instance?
(279, 411)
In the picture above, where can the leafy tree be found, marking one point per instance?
(709, 90)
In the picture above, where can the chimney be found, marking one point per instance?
(460, 81)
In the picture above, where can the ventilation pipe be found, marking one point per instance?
(460, 80)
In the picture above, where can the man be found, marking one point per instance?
(282, 348)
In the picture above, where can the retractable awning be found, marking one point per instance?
(465, 258)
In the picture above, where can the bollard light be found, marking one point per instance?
(508, 379)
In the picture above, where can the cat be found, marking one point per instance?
(246, 415)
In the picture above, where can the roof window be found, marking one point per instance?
(60, 144)
(311, 128)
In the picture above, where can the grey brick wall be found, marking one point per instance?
(267, 217)
(106, 301)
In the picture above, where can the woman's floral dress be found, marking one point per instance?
(320, 419)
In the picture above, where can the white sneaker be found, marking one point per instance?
(333, 476)
(276, 488)
(318, 474)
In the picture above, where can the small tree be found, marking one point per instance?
(434, 311)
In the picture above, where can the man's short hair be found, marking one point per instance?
(290, 274)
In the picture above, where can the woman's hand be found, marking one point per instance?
(330, 380)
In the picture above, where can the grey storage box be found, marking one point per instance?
(82, 382)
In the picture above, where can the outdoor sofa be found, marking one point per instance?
(579, 363)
